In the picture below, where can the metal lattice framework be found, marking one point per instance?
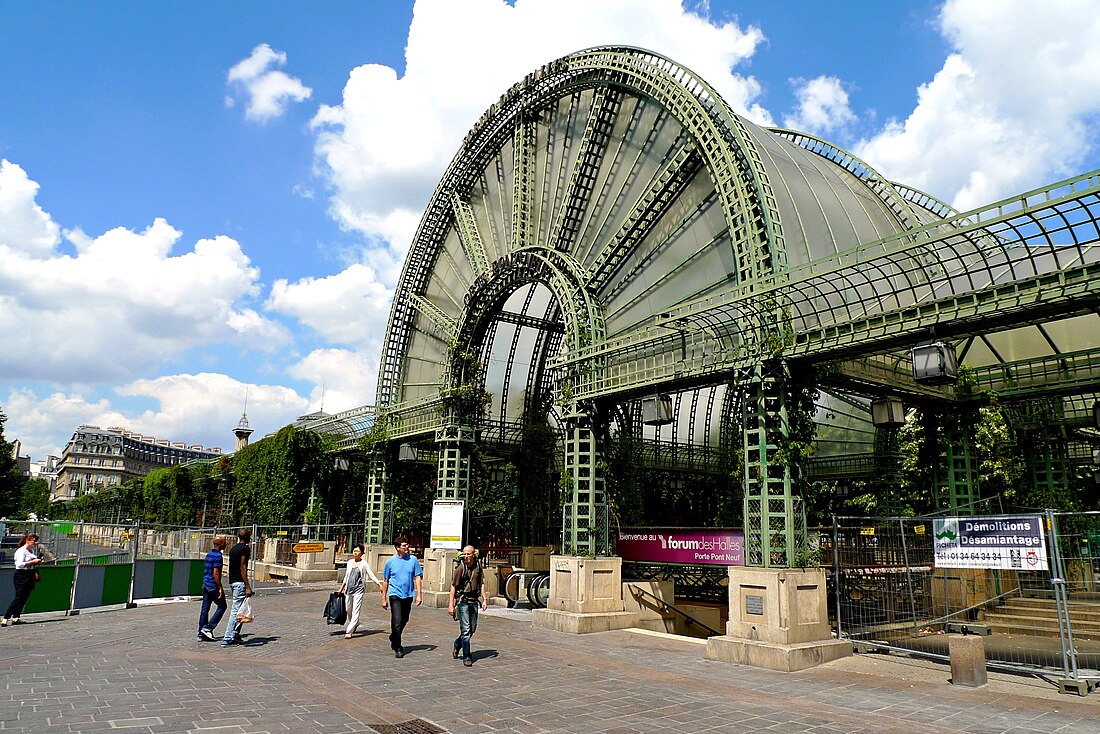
(610, 229)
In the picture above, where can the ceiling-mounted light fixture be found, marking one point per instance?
(887, 412)
(935, 363)
(657, 410)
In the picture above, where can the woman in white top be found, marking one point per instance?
(26, 558)
(354, 586)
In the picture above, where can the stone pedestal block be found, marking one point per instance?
(586, 595)
(785, 606)
(586, 585)
(536, 558)
(321, 561)
(967, 654)
(778, 620)
(377, 555)
(439, 565)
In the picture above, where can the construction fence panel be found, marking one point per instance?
(1076, 547)
(887, 591)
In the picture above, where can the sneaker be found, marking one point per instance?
(468, 662)
(399, 653)
(227, 643)
(206, 635)
(347, 636)
(454, 653)
(4, 623)
(15, 620)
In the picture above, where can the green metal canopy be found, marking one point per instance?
(610, 231)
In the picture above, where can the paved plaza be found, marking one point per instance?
(142, 670)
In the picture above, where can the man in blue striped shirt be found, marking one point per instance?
(212, 590)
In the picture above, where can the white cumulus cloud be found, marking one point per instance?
(822, 106)
(267, 89)
(24, 226)
(1015, 105)
(124, 304)
(344, 379)
(350, 307)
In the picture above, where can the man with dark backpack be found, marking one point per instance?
(467, 594)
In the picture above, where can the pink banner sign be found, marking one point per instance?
(700, 546)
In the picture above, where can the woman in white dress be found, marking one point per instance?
(354, 586)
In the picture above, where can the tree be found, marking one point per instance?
(11, 481)
(35, 498)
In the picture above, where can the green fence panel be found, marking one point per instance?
(51, 594)
(194, 579)
(116, 583)
(162, 577)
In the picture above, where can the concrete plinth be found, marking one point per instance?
(586, 595)
(773, 656)
(967, 654)
(778, 620)
(580, 624)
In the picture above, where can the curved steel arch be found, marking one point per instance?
(718, 137)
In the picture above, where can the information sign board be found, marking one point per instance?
(308, 547)
(1005, 542)
(447, 524)
(699, 546)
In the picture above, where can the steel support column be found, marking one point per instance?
(1047, 458)
(775, 521)
(584, 514)
(454, 462)
(887, 479)
(957, 480)
(376, 521)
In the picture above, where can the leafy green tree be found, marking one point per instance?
(36, 498)
(11, 481)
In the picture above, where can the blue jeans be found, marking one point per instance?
(210, 596)
(467, 625)
(233, 627)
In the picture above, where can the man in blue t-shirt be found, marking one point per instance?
(212, 592)
(401, 581)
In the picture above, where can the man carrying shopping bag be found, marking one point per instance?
(238, 582)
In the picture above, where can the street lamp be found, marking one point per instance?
(887, 412)
(935, 363)
(657, 410)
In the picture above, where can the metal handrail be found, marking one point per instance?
(664, 606)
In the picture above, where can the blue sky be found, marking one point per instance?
(199, 200)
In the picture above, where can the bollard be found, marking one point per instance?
(967, 654)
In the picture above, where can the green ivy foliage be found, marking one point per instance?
(273, 477)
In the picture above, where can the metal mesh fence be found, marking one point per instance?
(886, 590)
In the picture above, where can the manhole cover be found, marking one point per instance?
(412, 726)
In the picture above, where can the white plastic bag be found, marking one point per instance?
(245, 613)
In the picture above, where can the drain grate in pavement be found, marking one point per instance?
(412, 726)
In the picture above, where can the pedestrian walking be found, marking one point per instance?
(26, 576)
(238, 583)
(354, 587)
(402, 578)
(467, 594)
(212, 592)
